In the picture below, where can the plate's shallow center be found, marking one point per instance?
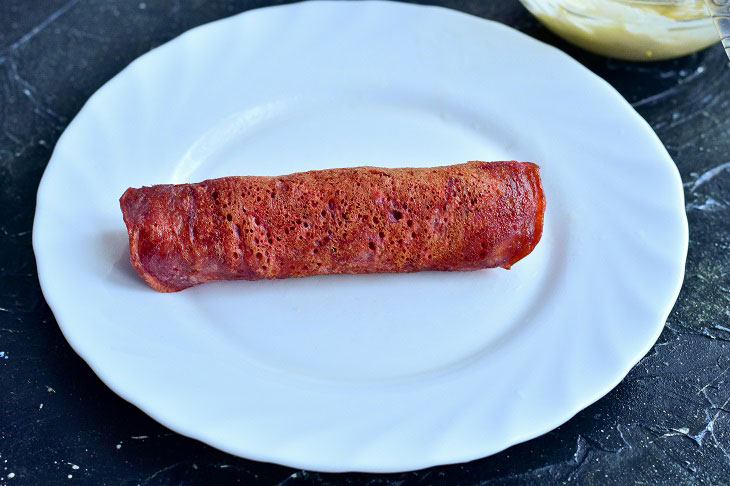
(360, 128)
(361, 327)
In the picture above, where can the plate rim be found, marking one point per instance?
(58, 309)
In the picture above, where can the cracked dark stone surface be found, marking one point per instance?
(668, 422)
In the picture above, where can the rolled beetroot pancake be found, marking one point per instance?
(359, 220)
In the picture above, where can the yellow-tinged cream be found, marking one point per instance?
(638, 31)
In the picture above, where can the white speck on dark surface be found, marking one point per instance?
(709, 204)
(708, 175)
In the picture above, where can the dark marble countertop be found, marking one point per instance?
(668, 422)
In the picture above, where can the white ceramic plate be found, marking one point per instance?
(380, 372)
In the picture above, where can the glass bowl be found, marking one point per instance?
(636, 30)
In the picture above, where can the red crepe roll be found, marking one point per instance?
(355, 220)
